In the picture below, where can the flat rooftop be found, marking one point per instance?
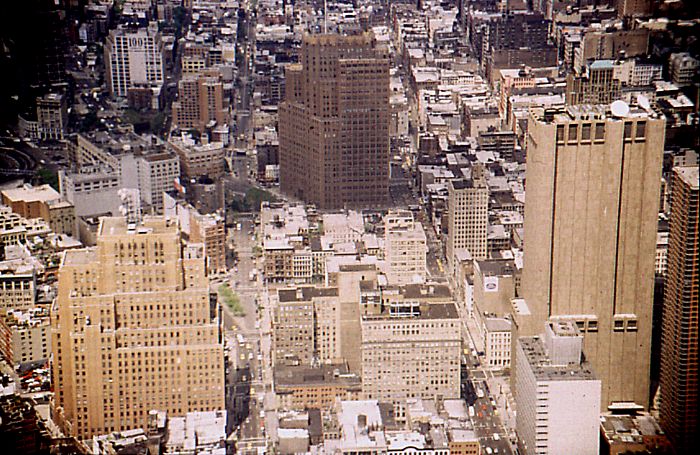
(543, 369)
(149, 225)
(43, 193)
(325, 375)
(690, 175)
(305, 293)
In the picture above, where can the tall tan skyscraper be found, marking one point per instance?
(590, 236)
(201, 100)
(679, 327)
(468, 213)
(334, 123)
(133, 330)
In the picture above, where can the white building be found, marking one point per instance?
(557, 396)
(406, 248)
(133, 57)
(468, 218)
(497, 342)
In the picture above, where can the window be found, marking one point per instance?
(632, 325)
(560, 133)
(586, 132)
(628, 130)
(641, 130)
(573, 133)
(619, 325)
(599, 131)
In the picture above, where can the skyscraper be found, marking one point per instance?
(334, 123)
(590, 236)
(200, 101)
(133, 56)
(468, 201)
(679, 327)
(133, 330)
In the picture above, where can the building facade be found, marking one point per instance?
(334, 123)
(468, 216)
(590, 236)
(406, 248)
(411, 350)
(679, 327)
(201, 101)
(133, 330)
(557, 396)
(133, 57)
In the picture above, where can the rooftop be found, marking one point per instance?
(534, 350)
(28, 193)
(689, 174)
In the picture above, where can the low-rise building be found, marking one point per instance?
(42, 202)
(410, 349)
(25, 336)
(301, 387)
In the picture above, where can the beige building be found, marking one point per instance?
(468, 203)
(334, 123)
(305, 325)
(679, 327)
(42, 202)
(132, 330)
(25, 336)
(411, 350)
(197, 159)
(590, 236)
(17, 285)
(406, 248)
(300, 388)
(52, 116)
(201, 101)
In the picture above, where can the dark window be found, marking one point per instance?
(599, 131)
(641, 130)
(586, 132)
(573, 133)
(628, 130)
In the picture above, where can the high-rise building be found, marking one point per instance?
(334, 123)
(468, 216)
(556, 393)
(133, 57)
(133, 330)
(201, 101)
(52, 116)
(590, 235)
(679, 327)
(406, 248)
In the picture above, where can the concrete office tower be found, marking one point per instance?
(201, 101)
(556, 394)
(590, 235)
(334, 123)
(468, 216)
(679, 327)
(406, 248)
(133, 330)
(133, 57)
